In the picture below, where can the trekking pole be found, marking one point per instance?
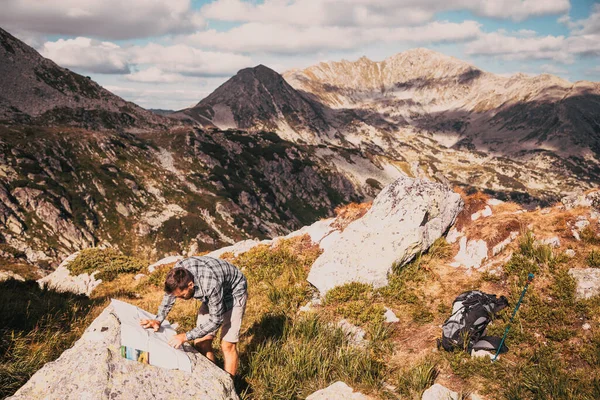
(529, 279)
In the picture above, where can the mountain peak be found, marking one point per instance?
(35, 89)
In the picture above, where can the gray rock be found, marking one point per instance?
(355, 334)
(94, 369)
(471, 253)
(439, 392)
(406, 218)
(588, 282)
(337, 391)
(570, 253)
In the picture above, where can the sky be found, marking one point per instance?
(171, 54)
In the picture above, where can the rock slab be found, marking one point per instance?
(93, 369)
(406, 218)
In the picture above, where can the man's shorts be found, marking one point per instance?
(232, 320)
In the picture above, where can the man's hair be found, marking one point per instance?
(178, 278)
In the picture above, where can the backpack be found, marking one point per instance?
(472, 311)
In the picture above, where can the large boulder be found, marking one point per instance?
(61, 279)
(94, 369)
(405, 219)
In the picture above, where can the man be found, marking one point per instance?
(222, 289)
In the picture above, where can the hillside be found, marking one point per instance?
(294, 343)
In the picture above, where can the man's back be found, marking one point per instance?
(210, 273)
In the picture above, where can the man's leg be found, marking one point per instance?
(230, 334)
(204, 346)
(230, 354)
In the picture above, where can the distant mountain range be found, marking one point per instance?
(267, 153)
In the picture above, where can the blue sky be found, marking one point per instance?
(172, 54)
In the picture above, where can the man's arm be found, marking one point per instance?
(216, 309)
(165, 306)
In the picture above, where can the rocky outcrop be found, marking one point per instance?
(591, 199)
(406, 218)
(94, 369)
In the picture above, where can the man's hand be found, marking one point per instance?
(150, 323)
(177, 340)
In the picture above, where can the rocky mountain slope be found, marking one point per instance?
(188, 190)
(81, 167)
(36, 90)
(432, 115)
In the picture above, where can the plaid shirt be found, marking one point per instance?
(217, 283)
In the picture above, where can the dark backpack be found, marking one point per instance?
(471, 313)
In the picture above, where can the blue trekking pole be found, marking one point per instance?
(529, 279)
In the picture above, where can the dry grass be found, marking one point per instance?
(349, 213)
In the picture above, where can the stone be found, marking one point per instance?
(552, 242)
(164, 261)
(471, 253)
(390, 317)
(588, 282)
(453, 235)
(406, 218)
(355, 334)
(486, 212)
(94, 369)
(139, 276)
(439, 392)
(586, 327)
(570, 253)
(337, 391)
(494, 202)
(482, 353)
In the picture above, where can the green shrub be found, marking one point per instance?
(109, 262)
(361, 312)
(593, 259)
(413, 381)
(352, 291)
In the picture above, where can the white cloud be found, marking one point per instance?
(106, 19)
(173, 98)
(372, 13)
(520, 48)
(154, 75)
(187, 60)
(590, 25)
(290, 39)
(87, 55)
(155, 63)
